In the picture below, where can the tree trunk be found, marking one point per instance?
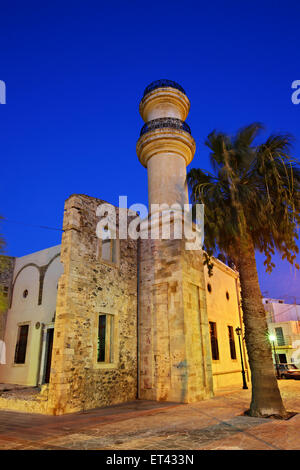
(266, 399)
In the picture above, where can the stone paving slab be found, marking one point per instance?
(215, 424)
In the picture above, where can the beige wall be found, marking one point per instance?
(27, 274)
(167, 180)
(90, 287)
(174, 359)
(226, 371)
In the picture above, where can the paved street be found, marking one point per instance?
(213, 424)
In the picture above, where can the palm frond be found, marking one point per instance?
(254, 191)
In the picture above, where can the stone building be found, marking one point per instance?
(134, 318)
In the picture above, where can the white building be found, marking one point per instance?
(278, 311)
(284, 325)
(30, 318)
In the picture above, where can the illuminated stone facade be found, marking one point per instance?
(138, 324)
(88, 288)
(175, 362)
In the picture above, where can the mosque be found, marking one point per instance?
(99, 321)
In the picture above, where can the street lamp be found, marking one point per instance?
(238, 331)
(272, 339)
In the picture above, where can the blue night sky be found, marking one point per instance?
(75, 72)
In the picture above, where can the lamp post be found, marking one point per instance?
(272, 339)
(238, 331)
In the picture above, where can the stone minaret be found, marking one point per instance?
(165, 146)
(174, 348)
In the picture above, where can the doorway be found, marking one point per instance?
(49, 346)
(46, 353)
(282, 358)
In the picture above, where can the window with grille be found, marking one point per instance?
(231, 342)
(21, 346)
(105, 338)
(214, 340)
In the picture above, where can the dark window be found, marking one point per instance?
(101, 338)
(231, 342)
(105, 339)
(227, 295)
(282, 358)
(21, 346)
(214, 340)
(209, 287)
(49, 343)
(279, 336)
(25, 293)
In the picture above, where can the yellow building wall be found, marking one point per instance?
(225, 312)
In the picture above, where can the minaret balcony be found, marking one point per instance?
(161, 123)
(165, 141)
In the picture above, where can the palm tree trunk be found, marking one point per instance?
(266, 399)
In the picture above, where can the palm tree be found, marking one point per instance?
(251, 203)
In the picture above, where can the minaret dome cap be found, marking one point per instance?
(162, 84)
(164, 99)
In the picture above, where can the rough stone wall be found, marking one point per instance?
(175, 362)
(88, 288)
(196, 326)
(7, 264)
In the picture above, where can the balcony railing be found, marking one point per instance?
(171, 123)
(287, 340)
